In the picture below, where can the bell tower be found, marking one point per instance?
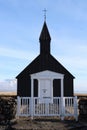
(45, 40)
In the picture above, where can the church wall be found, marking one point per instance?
(56, 87)
(68, 87)
(24, 86)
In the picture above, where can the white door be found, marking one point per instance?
(45, 90)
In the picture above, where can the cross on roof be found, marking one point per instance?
(45, 14)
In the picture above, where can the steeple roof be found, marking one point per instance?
(45, 35)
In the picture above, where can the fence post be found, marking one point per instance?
(75, 108)
(18, 106)
(32, 96)
(31, 109)
(62, 108)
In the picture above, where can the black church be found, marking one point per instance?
(45, 77)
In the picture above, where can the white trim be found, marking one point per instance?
(62, 89)
(51, 88)
(38, 87)
(47, 75)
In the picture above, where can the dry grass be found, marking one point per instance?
(15, 94)
(47, 124)
(80, 94)
(8, 93)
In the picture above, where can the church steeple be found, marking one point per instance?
(45, 40)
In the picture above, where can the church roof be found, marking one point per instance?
(45, 35)
(46, 62)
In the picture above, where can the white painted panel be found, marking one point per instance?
(48, 88)
(45, 90)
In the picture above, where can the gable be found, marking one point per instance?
(47, 74)
(45, 62)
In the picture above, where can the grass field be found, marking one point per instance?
(3, 93)
(8, 93)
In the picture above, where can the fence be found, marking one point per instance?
(62, 107)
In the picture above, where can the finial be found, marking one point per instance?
(45, 14)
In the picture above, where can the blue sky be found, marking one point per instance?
(21, 22)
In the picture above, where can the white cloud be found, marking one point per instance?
(8, 52)
(80, 86)
(8, 85)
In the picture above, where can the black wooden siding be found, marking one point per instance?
(41, 63)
